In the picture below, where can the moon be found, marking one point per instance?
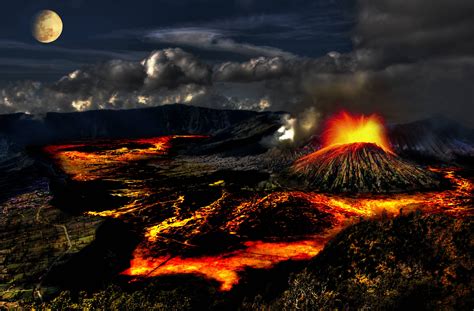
(47, 26)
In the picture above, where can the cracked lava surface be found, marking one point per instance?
(226, 231)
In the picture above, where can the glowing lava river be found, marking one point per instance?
(197, 219)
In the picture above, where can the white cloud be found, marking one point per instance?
(211, 39)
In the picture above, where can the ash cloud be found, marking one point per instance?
(391, 32)
(421, 52)
(410, 61)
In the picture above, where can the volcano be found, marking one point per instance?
(362, 167)
(357, 158)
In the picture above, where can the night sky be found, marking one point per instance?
(101, 30)
(406, 60)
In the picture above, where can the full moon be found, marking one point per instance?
(47, 26)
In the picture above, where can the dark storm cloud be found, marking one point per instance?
(169, 75)
(168, 68)
(421, 55)
(164, 77)
(392, 32)
(173, 67)
(410, 61)
(111, 75)
(275, 68)
(258, 69)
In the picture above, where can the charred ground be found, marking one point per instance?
(226, 192)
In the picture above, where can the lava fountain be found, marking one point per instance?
(356, 157)
(259, 229)
(345, 128)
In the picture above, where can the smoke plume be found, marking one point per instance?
(410, 61)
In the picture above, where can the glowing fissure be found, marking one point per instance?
(100, 164)
(225, 267)
(265, 254)
(182, 226)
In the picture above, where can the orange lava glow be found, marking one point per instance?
(228, 212)
(345, 128)
(225, 267)
(92, 165)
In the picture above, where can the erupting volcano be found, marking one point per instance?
(345, 128)
(356, 157)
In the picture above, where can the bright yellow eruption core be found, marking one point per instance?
(47, 26)
(345, 128)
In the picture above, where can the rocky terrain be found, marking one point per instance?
(375, 264)
(26, 130)
(225, 190)
(436, 139)
(381, 266)
(34, 237)
(359, 168)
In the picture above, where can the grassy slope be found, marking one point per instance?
(410, 262)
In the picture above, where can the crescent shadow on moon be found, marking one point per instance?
(47, 26)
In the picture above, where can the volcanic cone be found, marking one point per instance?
(357, 157)
(361, 167)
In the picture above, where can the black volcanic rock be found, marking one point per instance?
(175, 119)
(437, 139)
(243, 138)
(359, 168)
(232, 132)
(17, 169)
(280, 215)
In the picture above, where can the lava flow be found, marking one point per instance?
(84, 162)
(226, 231)
(225, 267)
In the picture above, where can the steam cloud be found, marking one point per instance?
(409, 61)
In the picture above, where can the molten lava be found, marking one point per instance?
(345, 128)
(95, 160)
(225, 267)
(178, 231)
(84, 164)
(356, 158)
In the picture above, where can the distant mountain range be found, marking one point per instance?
(438, 139)
(24, 129)
(233, 132)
